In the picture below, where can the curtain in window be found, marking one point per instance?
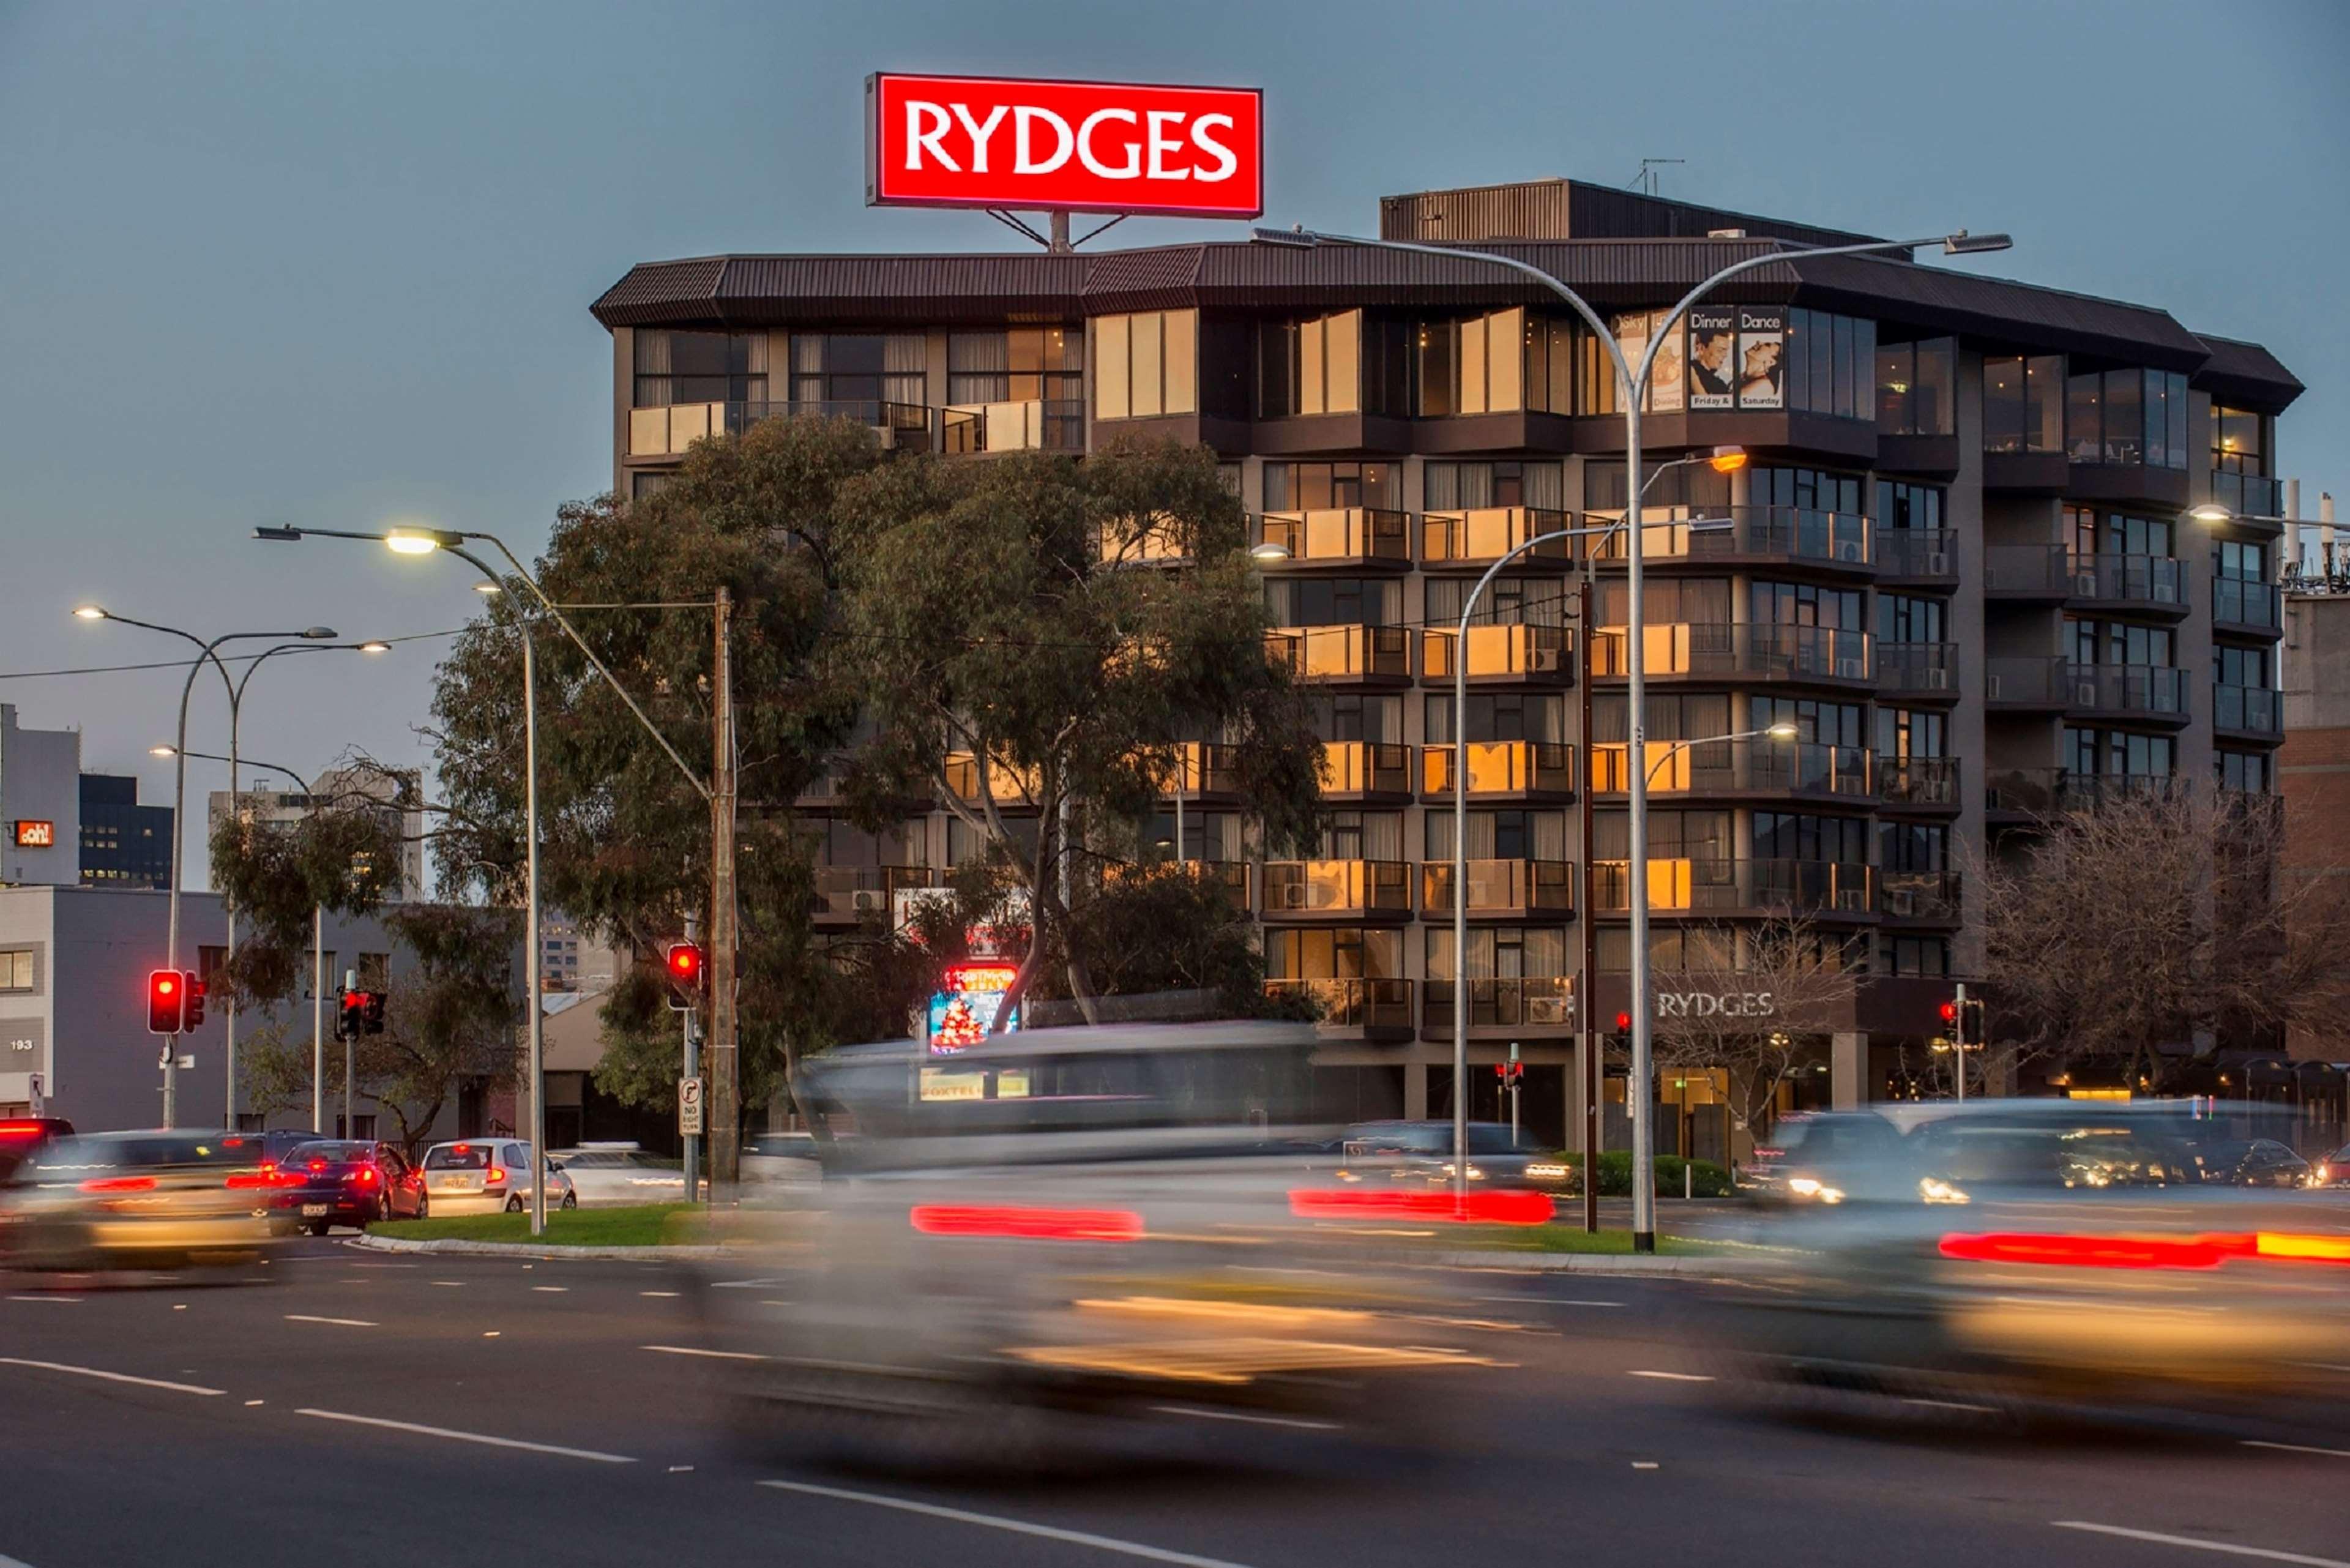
(905, 367)
(978, 367)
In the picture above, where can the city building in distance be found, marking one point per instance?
(40, 804)
(1960, 564)
(123, 843)
(402, 793)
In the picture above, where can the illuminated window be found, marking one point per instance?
(16, 970)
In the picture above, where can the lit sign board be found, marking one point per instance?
(1048, 146)
(963, 1010)
(37, 834)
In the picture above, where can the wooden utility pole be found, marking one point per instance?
(725, 1078)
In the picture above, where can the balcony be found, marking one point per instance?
(2250, 609)
(2140, 691)
(1512, 770)
(2249, 494)
(1501, 1003)
(1503, 888)
(2141, 584)
(1761, 535)
(1355, 1006)
(1483, 534)
(1928, 895)
(1154, 543)
(1737, 767)
(1332, 889)
(669, 432)
(1757, 650)
(1739, 887)
(846, 895)
(1501, 654)
(1917, 669)
(1006, 784)
(2018, 794)
(1230, 877)
(2247, 711)
(1051, 424)
(1917, 555)
(1360, 536)
(1201, 769)
(1918, 783)
(2022, 684)
(2026, 573)
(1358, 654)
(1363, 770)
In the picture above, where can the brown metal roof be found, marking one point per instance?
(2246, 375)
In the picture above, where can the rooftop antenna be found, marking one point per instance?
(1649, 178)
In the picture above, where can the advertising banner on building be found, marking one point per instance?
(1048, 146)
(963, 1010)
(1712, 356)
(1762, 357)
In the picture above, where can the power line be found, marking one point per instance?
(182, 663)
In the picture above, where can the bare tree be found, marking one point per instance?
(1750, 1010)
(2156, 919)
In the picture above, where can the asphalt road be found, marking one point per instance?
(364, 1407)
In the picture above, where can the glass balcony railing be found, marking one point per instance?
(2039, 792)
(1921, 669)
(1792, 533)
(2235, 602)
(1342, 652)
(854, 892)
(2249, 494)
(1048, 424)
(1732, 767)
(1759, 649)
(2149, 689)
(1336, 887)
(1366, 767)
(1919, 895)
(1483, 534)
(1918, 552)
(1352, 1001)
(669, 432)
(2027, 571)
(2248, 708)
(1918, 781)
(1499, 768)
(1209, 767)
(1499, 651)
(1340, 533)
(1703, 885)
(2030, 682)
(1503, 1001)
(2116, 578)
(1500, 886)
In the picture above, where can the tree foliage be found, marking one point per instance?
(342, 856)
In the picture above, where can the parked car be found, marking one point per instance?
(24, 1136)
(2333, 1170)
(2254, 1162)
(1420, 1153)
(345, 1182)
(607, 1174)
(279, 1142)
(486, 1175)
(136, 1200)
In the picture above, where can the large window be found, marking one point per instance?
(2240, 666)
(1499, 716)
(1906, 733)
(1698, 601)
(1907, 618)
(1311, 367)
(2089, 531)
(700, 368)
(2127, 417)
(2248, 770)
(1817, 723)
(1474, 366)
(1672, 835)
(1501, 835)
(1914, 382)
(1309, 486)
(1506, 602)
(1146, 365)
(1797, 835)
(16, 970)
(1830, 364)
(1332, 601)
(1673, 716)
(1804, 604)
(1509, 482)
(2240, 441)
(2118, 642)
(1901, 504)
(2024, 404)
(1349, 716)
(1023, 365)
(1345, 953)
(1816, 489)
(860, 368)
(1509, 952)
(1550, 375)
(1362, 835)
(1913, 846)
(1924, 956)
(2118, 753)
(2240, 561)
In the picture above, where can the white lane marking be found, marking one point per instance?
(1671, 1377)
(1016, 1526)
(482, 1437)
(664, 1295)
(1551, 1301)
(713, 1354)
(550, 1290)
(1203, 1414)
(746, 1284)
(1644, 1464)
(249, 1404)
(338, 1322)
(453, 1284)
(490, 1333)
(1953, 1404)
(2298, 1448)
(112, 1376)
(2195, 1544)
(61, 1301)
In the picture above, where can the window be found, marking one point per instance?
(1307, 486)
(1804, 604)
(2240, 561)
(700, 368)
(1348, 716)
(1506, 602)
(2240, 666)
(1207, 835)
(2024, 408)
(1345, 953)
(1673, 716)
(2240, 441)
(2247, 771)
(1817, 723)
(1901, 504)
(1906, 617)
(1362, 836)
(1831, 364)
(1672, 835)
(15, 969)
(1794, 835)
(861, 368)
(1146, 365)
(375, 971)
(1501, 835)
(1700, 601)
(2118, 642)
(1461, 485)
(1928, 956)
(2127, 417)
(1500, 716)
(2118, 753)
(643, 485)
(209, 963)
(1474, 366)
(1023, 365)
(1508, 953)
(1814, 490)
(2089, 531)
(1913, 846)
(1310, 367)
(1696, 485)
(1333, 601)
(1671, 948)
(1913, 387)
(1550, 372)
(1903, 733)
(326, 967)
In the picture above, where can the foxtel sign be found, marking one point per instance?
(1079, 146)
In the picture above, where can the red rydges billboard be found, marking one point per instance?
(1085, 147)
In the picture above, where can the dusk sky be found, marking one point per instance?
(331, 263)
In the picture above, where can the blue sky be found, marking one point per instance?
(331, 263)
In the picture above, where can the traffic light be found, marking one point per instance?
(684, 964)
(351, 1022)
(193, 988)
(167, 1002)
(1970, 1018)
(371, 1011)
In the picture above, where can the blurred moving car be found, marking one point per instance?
(1821, 1157)
(2333, 1170)
(781, 1156)
(136, 1200)
(607, 1173)
(488, 1176)
(1421, 1154)
(23, 1137)
(339, 1181)
(2255, 1162)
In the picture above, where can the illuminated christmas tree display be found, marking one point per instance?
(959, 1029)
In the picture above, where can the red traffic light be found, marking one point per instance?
(685, 963)
(1622, 1023)
(167, 1002)
(1949, 1012)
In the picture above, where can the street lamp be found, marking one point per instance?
(210, 651)
(1632, 384)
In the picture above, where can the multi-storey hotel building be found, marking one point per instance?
(1958, 564)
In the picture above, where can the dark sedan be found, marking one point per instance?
(1421, 1154)
(344, 1182)
(2254, 1162)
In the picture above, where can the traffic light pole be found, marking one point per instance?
(350, 1056)
(1958, 1041)
(1586, 997)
